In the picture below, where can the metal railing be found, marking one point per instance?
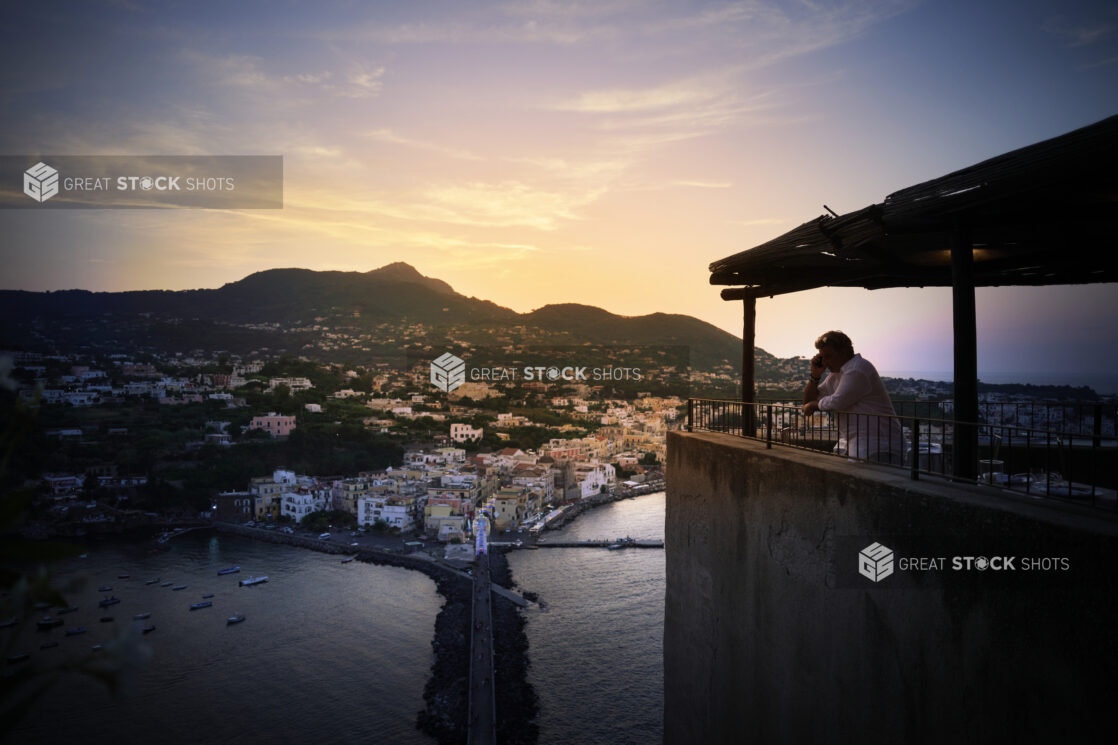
(1079, 464)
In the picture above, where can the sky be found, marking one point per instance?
(600, 152)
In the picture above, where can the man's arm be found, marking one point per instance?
(853, 387)
(811, 390)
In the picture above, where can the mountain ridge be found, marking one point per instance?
(396, 293)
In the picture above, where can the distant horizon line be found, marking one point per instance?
(1105, 383)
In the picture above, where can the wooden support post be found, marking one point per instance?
(965, 459)
(748, 387)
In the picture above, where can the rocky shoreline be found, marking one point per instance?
(447, 691)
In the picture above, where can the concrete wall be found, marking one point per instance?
(771, 636)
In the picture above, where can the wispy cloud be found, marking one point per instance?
(620, 100)
(387, 135)
(1080, 34)
(356, 80)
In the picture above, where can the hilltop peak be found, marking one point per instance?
(401, 271)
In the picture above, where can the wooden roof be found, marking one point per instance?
(1044, 214)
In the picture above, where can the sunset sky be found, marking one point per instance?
(538, 152)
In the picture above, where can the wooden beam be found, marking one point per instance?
(748, 338)
(737, 293)
(965, 459)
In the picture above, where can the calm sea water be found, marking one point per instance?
(340, 653)
(328, 653)
(596, 649)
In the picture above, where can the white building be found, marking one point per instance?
(396, 511)
(465, 433)
(294, 384)
(299, 504)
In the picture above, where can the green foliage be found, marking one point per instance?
(324, 520)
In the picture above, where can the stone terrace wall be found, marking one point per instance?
(771, 635)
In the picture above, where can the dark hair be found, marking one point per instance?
(836, 340)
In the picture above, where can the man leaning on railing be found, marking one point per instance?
(867, 423)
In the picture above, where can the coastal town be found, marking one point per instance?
(445, 456)
(124, 440)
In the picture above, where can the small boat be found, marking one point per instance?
(18, 657)
(123, 576)
(252, 581)
(104, 588)
(71, 609)
(176, 588)
(83, 556)
(42, 606)
(148, 629)
(48, 645)
(196, 606)
(165, 584)
(230, 570)
(152, 581)
(96, 647)
(106, 619)
(234, 619)
(141, 616)
(49, 622)
(8, 623)
(108, 601)
(348, 559)
(76, 630)
(207, 595)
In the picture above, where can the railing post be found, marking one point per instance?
(1096, 428)
(690, 415)
(769, 426)
(915, 465)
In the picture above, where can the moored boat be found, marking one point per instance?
(104, 588)
(230, 570)
(252, 581)
(48, 645)
(76, 630)
(207, 595)
(108, 601)
(152, 581)
(165, 584)
(205, 604)
(106, 619)
(71, 609)
(149, 629)
(49, 622)
(141, 616)
(234, 619)
(176, 588)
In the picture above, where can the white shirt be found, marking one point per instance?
(856, 390)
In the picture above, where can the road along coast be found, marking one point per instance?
(561, 517)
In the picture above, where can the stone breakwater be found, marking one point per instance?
(517, 704)
(446, 693)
